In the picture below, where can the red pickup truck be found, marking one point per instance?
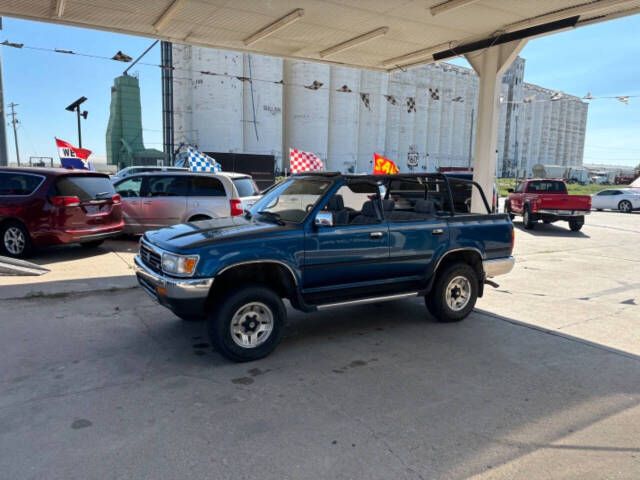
(547, 200)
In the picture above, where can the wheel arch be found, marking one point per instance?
(274, 274)
(469, 255)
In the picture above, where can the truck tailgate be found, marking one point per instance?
(564, 202)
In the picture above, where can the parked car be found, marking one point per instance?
(549, 201)
(156, 200)
(48, 206)
(625, 200)
(129, 171)
(323, 240)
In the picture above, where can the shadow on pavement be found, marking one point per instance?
(550, 230)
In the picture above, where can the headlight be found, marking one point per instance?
(179, 265)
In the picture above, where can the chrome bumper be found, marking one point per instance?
(564, 213)
(175, 288)
(498, 266)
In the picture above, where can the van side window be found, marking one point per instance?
(206, 187)
(130, 188)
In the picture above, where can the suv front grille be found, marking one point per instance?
(151, 259)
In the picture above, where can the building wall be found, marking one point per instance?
(276, 112)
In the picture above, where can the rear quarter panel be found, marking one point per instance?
(489, 234)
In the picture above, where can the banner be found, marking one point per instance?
(300, 161)
(201, 162)
(73, 157)
(384, 166)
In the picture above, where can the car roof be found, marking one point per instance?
(187, 173)
(52, 171)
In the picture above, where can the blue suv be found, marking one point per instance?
(325, 240)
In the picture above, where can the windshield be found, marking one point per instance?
(292, 200)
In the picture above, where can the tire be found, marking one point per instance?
(527, 221)
(15, 240)
(444, 301)
(625, 206)
(575, 224)
(239, 312)
(546, 221)
(94, 244)
(599, 209)
(507, 207)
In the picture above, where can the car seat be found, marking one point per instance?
(335, 205)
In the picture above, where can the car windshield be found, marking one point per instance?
(292, 200)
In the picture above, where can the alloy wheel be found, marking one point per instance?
(458, 293)
(14, 240)
(251, 325)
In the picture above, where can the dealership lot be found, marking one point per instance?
(541, 381)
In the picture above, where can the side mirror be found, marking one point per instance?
(510, 190)
(324, 219)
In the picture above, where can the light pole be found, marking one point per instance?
(75, 106)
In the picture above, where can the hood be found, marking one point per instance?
(195, 234)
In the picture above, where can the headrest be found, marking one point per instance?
(424, 206)
(335, 203)
(388, 205)
(368, 209)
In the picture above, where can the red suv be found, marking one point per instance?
(49, 206)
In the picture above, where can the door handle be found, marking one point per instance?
(375, 234)
(437, 231)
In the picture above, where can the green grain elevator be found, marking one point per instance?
(125, 146)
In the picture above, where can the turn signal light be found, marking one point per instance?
(236, 207)
(513, 237)
(65, 201)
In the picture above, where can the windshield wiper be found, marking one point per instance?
(101, 194)
(272, 215)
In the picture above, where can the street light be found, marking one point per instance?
(76, 106)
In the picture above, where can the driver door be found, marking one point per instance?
(129, 190)
(352, 252)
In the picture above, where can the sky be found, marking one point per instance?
(600, 59)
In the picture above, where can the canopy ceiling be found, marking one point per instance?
(372, 34)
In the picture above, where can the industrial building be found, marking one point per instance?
(423, 117)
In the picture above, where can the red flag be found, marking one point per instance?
(384, 166)
(300, 161)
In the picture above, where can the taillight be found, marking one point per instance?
(236, 208)
(65, 201)
(116, 199)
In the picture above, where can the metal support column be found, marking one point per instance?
(166, 52)
(489, 64)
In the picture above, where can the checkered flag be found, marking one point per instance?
(411, 104)
(300, 161)
(434, 93)
(200, 162)
(365, 99)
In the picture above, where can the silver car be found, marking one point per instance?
(155, 200)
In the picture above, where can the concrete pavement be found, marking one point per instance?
(541, 381)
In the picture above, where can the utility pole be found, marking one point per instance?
(14, 121)
(471, 137)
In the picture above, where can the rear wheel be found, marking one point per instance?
(625, 206)
(16, 241)
(248, 324)
(94, 244)
(527, 219)
(575, 224)
(454, 293)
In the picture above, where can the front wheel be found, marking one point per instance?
(507, 210)
(454, 293)
(527, 219)
(625, 206)
(248, 324)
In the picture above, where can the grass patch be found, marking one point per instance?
(41, 294)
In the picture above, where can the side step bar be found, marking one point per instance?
(362, 301)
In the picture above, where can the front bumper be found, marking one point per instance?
(182, 296)
(498, 266)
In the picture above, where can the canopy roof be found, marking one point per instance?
(372, 34)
